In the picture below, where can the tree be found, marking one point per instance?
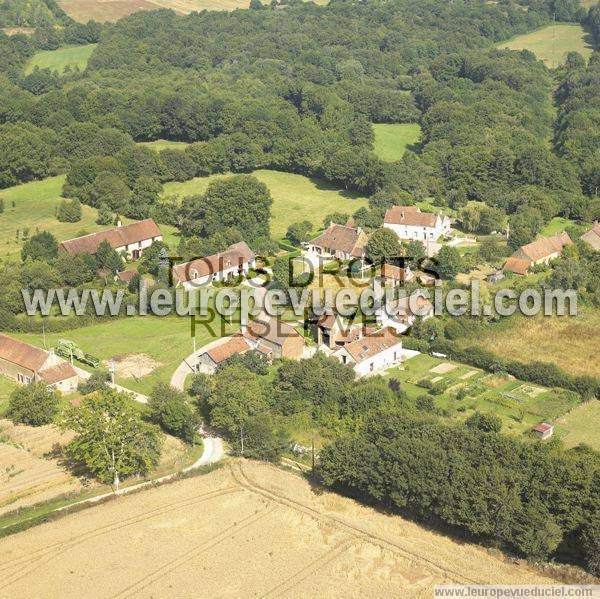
(98, 380)
(111, 439)
(69, 211)
(169, 408)
(35, 404)
(238, 395)
(490, 249)
(448, 262)
(524, 226)
(488, 423)
(339, 218)
(105, 216)
(42, 246)
(297, 233)
(108, 258)
(383, 245)
(73, 270)
(416, 252)
(261, 439)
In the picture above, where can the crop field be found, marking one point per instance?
(246, 529)
(166, 341)
(295, 198)
(59, 60)
(461, 389)
(569, 341)
(391, 141)
(551, 44)
(113, 10)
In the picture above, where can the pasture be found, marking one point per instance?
(551, 44)
(34, 208)
(556, 226)
(581, 425)
(59, 60)
(460, 390)
(295, 198)
(392, 140)
(164, 144)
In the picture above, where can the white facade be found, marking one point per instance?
(230, 272)
(420, 232)
(388, 358)
(134, 250)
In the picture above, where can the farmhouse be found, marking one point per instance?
(236, 260)
(213, 357)
(392, 275)
(334, 332)
(273, 337)
(592, 237)
(402, 313)
(26, 363)
(372, 353)
(130, 239)
(541, 251)
(339, 241)
(408, 222)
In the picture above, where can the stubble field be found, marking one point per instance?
(246, 530)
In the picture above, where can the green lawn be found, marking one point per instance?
(520, 405)
(392, 140)
(581, 425)
(163, 144)
(557, 225)
(6, 388)
(59, 60)
(295, 198)
(167, 340)
(551, 44)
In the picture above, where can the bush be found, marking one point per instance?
(34, 404)
(169, 409)
(97, 381)
(262, 441)
(69, 211)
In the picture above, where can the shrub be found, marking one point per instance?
(34, 404)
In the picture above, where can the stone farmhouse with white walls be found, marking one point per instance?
(339, 241)
(409, 223)
(131, 239)
(236, 260)
(26, 363)
(541, 251)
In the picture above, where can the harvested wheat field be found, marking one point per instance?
(245, 530)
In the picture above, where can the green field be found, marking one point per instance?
(166, 340)
(551, 44)
(295, 198)
(163, 144)
(59, 60)
(35, 205)
(391, 141)
(6, 388)
(581, 425)
(557, 225)
(520, 405)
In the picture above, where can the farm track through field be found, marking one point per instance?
(146, 581)
(36, 558)
(242, 479)
(330, 556)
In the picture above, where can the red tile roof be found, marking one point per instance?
(592, 237)
(235, 255)
(22, 354)
(58, 373)
(235, 345)
(543, 247)
(127, 275)
(372, 344)
(271, 329)
(117, 237)
(340, 238)
(390, 271)
(409, 215)
(517, 265)
(543, 427)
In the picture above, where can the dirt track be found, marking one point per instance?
(246, 530)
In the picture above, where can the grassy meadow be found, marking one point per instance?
(581, 425)
(551, 44)
(166, 340)
(295, 198)
(164, 144)
(556, 226)
(59, 60)
(571, 342)
(520, 405)
(391, 141)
